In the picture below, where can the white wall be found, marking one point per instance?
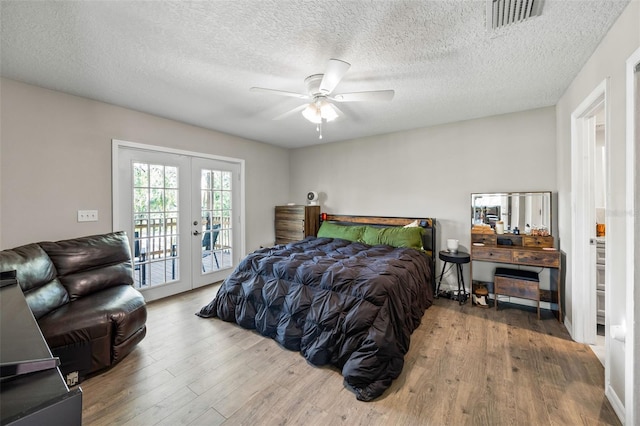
(607, 62)
(431, 172)
(56, 159)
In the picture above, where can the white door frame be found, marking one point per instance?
(583, 279)
(116, 145)
(632, 338)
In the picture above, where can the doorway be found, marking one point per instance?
(600, 200)
(584, 125)
(182, 212)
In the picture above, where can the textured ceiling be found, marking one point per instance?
(195, 61)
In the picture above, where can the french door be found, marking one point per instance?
(182, 215)
(212, 234)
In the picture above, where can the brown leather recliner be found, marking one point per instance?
(80, 292)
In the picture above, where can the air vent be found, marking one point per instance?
(505, 12)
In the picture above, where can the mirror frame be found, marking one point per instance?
(548, 194)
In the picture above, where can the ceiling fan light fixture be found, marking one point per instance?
(312, 113)
(327, 111)
(320, 110)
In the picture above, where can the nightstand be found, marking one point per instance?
(458, 259)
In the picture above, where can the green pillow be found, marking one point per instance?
(395, 237)
(333, 230)
(371, 235)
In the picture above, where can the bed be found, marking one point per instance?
(345, 298)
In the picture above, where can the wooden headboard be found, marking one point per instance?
(429, 240)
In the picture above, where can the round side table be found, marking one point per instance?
(458, 259)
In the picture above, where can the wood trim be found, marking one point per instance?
(378, 220)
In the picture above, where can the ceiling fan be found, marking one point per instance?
(320, 107)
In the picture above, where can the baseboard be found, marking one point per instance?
(569, 327)
(617, 405)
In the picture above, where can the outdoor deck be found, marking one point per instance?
(166, 270)
(157, 255)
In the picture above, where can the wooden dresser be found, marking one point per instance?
(295, 223)
(523, 250)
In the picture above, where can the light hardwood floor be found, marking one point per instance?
(466, 365)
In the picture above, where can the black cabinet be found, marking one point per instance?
(40, 396)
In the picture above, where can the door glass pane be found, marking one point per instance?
(216, 212)
(155, 216)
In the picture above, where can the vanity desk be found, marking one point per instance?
(513, 209)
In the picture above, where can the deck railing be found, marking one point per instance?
(158, 238)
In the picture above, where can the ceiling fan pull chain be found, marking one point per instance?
(320, 129)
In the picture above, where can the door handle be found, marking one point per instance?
(196, 232)
(619, 332)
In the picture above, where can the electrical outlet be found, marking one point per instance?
(87, 215)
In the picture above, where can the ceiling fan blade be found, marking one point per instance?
(332, 76)
(279, 92)
(291, 112)
(374, 95)
(337, 110)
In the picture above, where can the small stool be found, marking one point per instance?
(459, 258)
(517, 283)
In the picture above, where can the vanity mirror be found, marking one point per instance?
(528, 212)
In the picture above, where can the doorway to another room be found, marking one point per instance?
(589, 136)
(600, 200)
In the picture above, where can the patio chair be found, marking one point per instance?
(209, 242)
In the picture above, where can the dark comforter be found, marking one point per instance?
(347, 304)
